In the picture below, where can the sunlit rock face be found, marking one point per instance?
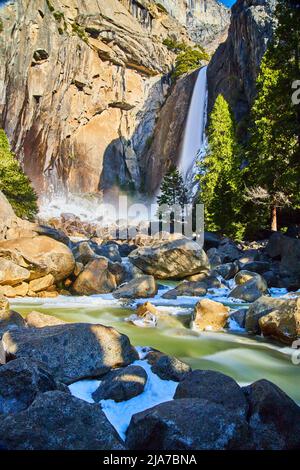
(235, 65)
(80, 77)
(82, 86)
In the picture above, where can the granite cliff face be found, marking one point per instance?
(235, 65)
(207, 21)
(82, 85)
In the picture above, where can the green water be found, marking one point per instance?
(244, 358)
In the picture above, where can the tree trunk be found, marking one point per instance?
(274, 219)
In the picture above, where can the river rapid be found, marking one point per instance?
(233, 352)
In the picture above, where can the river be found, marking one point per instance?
(235, 353)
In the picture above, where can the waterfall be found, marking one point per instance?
(194, 141)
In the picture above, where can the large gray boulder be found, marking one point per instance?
(141, 287)
(72, 351)
(188, 424)
(122, 384)
(273, 417)
(171, 259)
(59, 421)
(21, 381)
(216, 388)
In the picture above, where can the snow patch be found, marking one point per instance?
(119, 414)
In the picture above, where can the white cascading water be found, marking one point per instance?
(194, 142)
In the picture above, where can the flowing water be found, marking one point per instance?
(244, 358)
(194, 142)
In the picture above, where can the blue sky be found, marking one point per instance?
(228, 3)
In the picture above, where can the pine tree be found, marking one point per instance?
(173, 190)
(219, 174)
(14, 183)
(273, 152)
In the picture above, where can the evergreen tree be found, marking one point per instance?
(173, 190)
(219, 175)
(173, 197)
(14, 183)
(273, 152)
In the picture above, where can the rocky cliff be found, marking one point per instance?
(206, 21)
(82, 85)
(235, 65)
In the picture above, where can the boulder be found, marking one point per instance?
(260, 308)
(96, 278)
(21, 290)
(21, 381)
(10, 320)
(211, 240)
(59, 421)
(171, 259)
(141, 287)
(167, 367)
(251, 290)
(283, 324)
(188, 424)
(39, 255)
(244, 276)
(39, 320)
(228, 251)
(54, 233)
(6, 210)
(216, 388)
(196, 289)
(287, 250)
(72, 352)
(110, 251)
(239, 316)
(42, 283)
(11, 274)
(84, 253)
(198, 277)
(259, 267)
(4, 304)
(210, 315)
(122, 384)
(227, 270)
(7, 291)
(273, 417)
(146, 308)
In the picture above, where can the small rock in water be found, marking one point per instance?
(210, 315)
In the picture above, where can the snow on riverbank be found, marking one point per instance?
(119, 414)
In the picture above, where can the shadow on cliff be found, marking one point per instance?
(140, 162)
